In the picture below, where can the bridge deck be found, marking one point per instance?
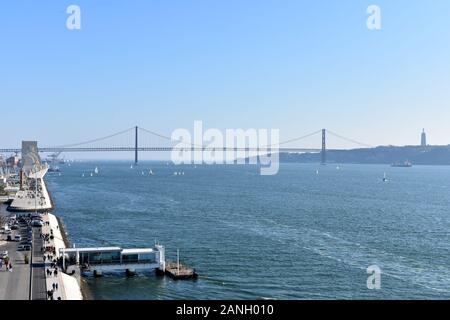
(159, 149)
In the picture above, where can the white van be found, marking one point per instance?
(37, 223)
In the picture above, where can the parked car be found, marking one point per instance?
(24, 247)
(3, 254)
(18, 238)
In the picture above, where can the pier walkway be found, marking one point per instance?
(66, 286)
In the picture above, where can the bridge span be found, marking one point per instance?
(166, 144)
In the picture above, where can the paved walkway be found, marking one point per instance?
(50, 276)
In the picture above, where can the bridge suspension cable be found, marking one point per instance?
(94, 140)
(291, 140)
(155, 134)
(350, 140)
(300, 138)
(262, 147)
(191, 145)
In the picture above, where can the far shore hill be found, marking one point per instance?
(417, 155)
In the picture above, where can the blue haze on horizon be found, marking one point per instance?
(294, 65)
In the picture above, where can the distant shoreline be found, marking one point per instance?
(430, 155)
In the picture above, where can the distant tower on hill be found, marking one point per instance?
(423, 140)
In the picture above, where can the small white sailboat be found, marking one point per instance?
(142, 172)
(150, 173)
(385, 179)
(338, 168)
(92, 174)
(317, 171)
(82, 175)
(175, 173)
(131, 167)
(182, 173)
(96, 170)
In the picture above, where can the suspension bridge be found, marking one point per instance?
(133, 141)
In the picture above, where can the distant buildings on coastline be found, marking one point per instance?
(13, 161)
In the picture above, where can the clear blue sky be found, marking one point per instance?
(294, 65)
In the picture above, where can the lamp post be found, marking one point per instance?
(35, 191)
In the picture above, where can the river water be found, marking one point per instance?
(300, 234)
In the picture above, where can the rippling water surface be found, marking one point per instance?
(296, 235)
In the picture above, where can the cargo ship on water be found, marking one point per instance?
(406, 164)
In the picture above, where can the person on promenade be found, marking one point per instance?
(10, 267)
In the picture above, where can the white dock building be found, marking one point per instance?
(109, 259)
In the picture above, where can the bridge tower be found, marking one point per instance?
(324, 147)
(136, 145)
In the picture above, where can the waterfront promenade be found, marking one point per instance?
(66, 287)
(33, 195)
